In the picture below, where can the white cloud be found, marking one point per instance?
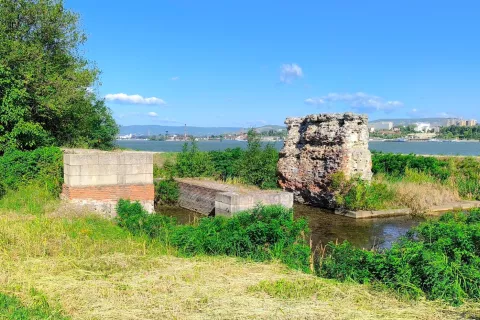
(175, 78)
(133, 99)
(290, 72)
(359, 100)
(153, 114)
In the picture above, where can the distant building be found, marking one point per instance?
(381, 126)
(422, 127)
(125, 137)
(452, 122)
(471, 123)
(462, 123)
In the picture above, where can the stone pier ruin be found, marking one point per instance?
(318, 146)
(98, 179)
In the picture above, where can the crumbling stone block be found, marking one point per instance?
(318, 146)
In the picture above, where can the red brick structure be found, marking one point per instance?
(99, 179)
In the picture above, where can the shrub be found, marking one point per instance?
(135, 219)
(227, 162)
(258, 165)
(44, 165)
(397, 164)
(166, 192)
(357, 194)
(193, 163)
(439, 259)
(264, 233)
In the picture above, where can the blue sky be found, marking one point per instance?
(249, 63)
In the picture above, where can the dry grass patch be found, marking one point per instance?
(420, 197)
(94, 270)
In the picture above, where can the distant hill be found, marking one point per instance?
(196, 131)
(405, 122)
(270, 127)
(157, 129)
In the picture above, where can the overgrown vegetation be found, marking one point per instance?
(46, 95)
(257, 165)
(356, 194)
(166, 192)
(460, 173)
(43, 165)
(265, 233)
(439, 259)
(415, 182)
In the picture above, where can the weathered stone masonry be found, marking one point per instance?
(318, 146)
(99, 179)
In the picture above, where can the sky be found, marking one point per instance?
(250, 63)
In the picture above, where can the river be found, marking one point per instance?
(426, 148)
(325, 226)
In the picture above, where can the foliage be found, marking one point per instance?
(33, 198)
(357, 194)
(462, 173)
(459, 132)
(396, 164)
(227, 162)
(12, 308)
(258, 166)
(193, 163)
(265, 233)
(135, 219)
(45, 165)
(45, 95)
(439, 259)
(166, 192)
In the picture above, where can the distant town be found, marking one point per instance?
(396, 130)
(267, 133)
(452, 130)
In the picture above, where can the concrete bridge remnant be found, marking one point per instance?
(98, 179)
(221, 199)
(316, 147)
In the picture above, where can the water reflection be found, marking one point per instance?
(325, 226)
(362, 233)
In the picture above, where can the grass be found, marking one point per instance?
(33, 198)
(89, 268)
(12, 309)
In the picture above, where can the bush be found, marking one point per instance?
(227, 162)
(397, 164)
(439, 259)
(44, 165)
(356, 194)
(166, 192)
(255, 166)
(264, 233)
(193, 163)
(135, 219)
(258, 165)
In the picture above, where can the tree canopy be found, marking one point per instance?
(46, 95)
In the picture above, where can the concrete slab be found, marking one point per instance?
(207, 197)
(363, 214)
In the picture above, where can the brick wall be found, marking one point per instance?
(99, 179)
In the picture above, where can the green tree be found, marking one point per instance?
(45, 82)
(259, 165)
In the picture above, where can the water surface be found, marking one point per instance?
(428, 147)
(325, 226)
